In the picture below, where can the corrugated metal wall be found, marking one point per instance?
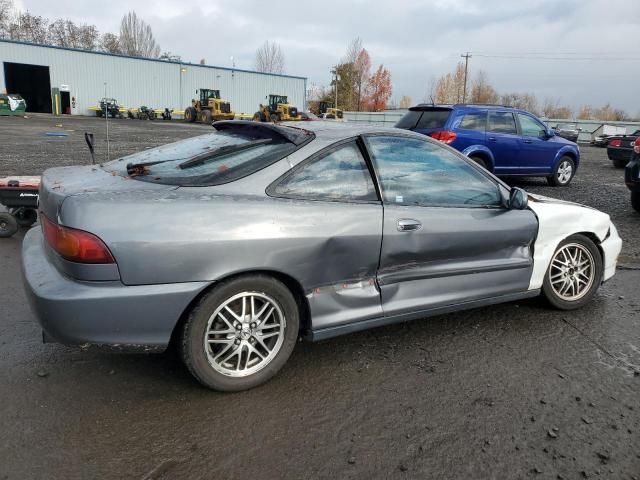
(134, 82)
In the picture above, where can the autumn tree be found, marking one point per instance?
(608, 113)
(523, 101)
(378, 90)
(450, 87)
(405, 102)
(482, 91)
(551, 108)
(585, 112)
(269, 58)
(136, 37)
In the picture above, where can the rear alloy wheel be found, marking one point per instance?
(635, 201)
(563, 173)
(574, 274)
(241, 333)
(480, 161)
(8, 225)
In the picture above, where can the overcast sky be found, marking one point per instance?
(598, 41)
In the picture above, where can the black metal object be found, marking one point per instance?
(88, 137)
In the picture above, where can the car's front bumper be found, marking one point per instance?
(611, 248)
(101, 313)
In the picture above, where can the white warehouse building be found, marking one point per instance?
(81, 77)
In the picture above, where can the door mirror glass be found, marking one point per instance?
(518, 199)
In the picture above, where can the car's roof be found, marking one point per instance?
(442, 106)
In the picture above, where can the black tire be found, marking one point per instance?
(620, 163)
(8, 225)
(550, 293)
(190, 114)
(25, 217)
(555, 180)
(635, 201)
(205, 117)
(257, 117)
(191, 344)
(274, 117)
(480, 161)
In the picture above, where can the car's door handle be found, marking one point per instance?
(492, 139)
(528, 141)
(408, 225)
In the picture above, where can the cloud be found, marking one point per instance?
(415, 39)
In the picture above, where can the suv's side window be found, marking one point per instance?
(531, 127)
(474, 121)
(339, 175)
(417, 172)
(502, 122)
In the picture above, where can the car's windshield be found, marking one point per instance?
(233, 155)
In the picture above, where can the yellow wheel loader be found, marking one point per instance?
(277, 109)
(209, 107)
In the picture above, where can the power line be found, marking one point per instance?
(591, 58)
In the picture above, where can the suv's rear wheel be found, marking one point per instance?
(563, 173)
(480, 161)
(241, 333)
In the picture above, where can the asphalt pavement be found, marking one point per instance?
(511, 391)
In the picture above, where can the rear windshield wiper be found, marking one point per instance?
(224, 150)
(135, 169)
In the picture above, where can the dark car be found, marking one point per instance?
(504, 140)
(632, 175)
(237, 243)
(620, 148)
(570, 131)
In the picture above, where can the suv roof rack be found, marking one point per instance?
(482, 105)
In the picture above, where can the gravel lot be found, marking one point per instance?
(512, 391)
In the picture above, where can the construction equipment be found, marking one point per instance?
(329, 112)
(20, 196)
(12, 104)
(208, 108)
(276, 110)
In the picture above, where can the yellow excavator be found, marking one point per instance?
(208, 107)
(277, 109)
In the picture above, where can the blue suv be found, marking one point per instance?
(504, 140)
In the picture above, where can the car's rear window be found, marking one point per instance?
(233, 155)
(424, 119)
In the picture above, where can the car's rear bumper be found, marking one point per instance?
(102, 313)
(632, 174)
(611, 248)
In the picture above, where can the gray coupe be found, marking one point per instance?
(235, 244)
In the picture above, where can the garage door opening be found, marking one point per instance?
(30, 81)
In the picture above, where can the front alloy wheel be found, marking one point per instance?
(241, 333)
(563, 173)
(574, 273)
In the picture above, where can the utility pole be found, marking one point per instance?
(466, 67)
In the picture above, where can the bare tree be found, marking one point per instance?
(482, 91)
(136, 37)
(362, 71)
(269, 58)
(430, 96)
(29, 28)
(110, 43)
(6, 16)
(405, 101)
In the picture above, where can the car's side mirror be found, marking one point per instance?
(551, 133)
(518, 199)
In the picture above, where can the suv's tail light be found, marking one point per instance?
(636, 146)
(616, 142)
(444, 136)
(75, 245)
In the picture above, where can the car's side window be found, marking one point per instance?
(412, 171)
(502, 122)
(339, 175)
(531, 127)
(474, 121)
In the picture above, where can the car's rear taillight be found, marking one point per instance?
(444, 136)
(636, 146)
(616, 142)
(75, 245)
